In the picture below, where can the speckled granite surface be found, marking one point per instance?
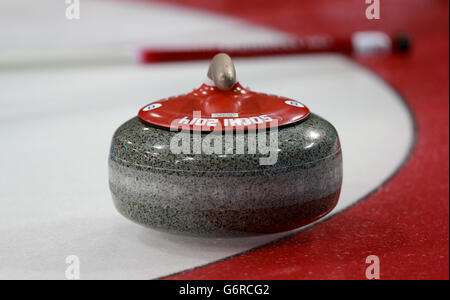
(228, 194)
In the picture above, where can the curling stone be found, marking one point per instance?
(223, 160)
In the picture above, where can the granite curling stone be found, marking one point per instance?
(190, 164)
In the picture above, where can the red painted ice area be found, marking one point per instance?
(405, 222)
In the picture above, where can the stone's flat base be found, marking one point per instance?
(227, 222)
(273, 219)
